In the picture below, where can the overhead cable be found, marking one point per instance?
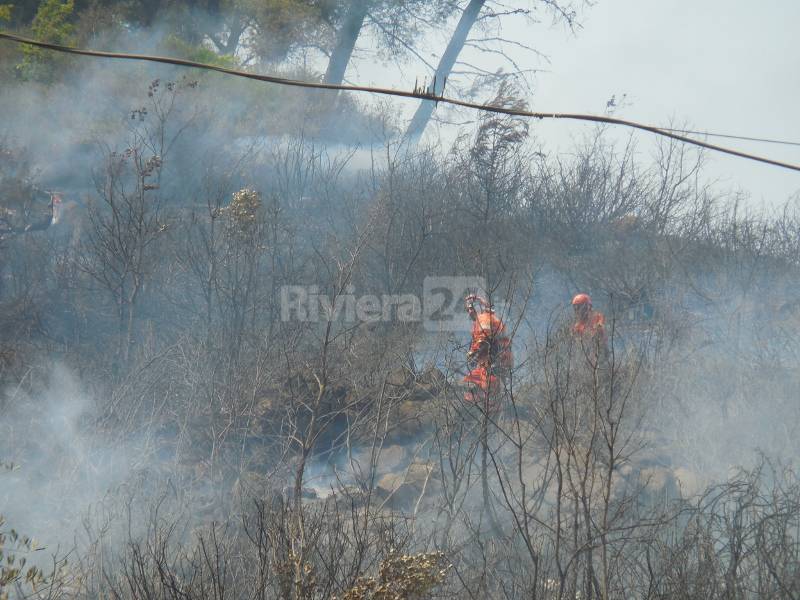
(416, 94)
(731, 136)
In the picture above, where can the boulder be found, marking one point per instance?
(402, 490)
(400, 377)
(388, 459)
(689, 482)
(407, 420)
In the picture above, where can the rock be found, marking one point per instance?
(418, 388)
(656, 479)
(306, 493)
(399, 377)
(428, 385)
(689, 483)
(408, 419)
(389, 458)
(392, 458)
(402, 490)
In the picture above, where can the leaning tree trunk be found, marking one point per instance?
(346, 41)
(446, 63)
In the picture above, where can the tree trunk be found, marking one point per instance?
(446, 63)
(346, 41)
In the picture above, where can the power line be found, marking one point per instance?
(416, 94)
(733, 137)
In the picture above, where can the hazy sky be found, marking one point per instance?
(725, 66)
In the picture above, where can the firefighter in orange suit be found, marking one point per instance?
(589, 327)
(489, 356)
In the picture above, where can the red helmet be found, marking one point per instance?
(581, 299)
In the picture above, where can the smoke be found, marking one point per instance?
(69, 125)
(60, 468)
(191, 396)
(730, 398)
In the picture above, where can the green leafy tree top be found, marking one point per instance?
(51, 24)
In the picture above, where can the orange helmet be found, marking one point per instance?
(581, 299)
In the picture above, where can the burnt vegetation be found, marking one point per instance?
(169, 431)
(211, 447)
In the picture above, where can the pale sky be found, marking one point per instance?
(724, 66)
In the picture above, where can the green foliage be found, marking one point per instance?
(5, 12)
(198, 53)
(285, 25)
(13, 548)
(51, 24)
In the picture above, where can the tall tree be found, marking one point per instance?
(491, 16)
(446, 63)
(395, 24)
(346, 41)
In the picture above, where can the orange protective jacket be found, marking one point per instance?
(491, 348)
(593, 329)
